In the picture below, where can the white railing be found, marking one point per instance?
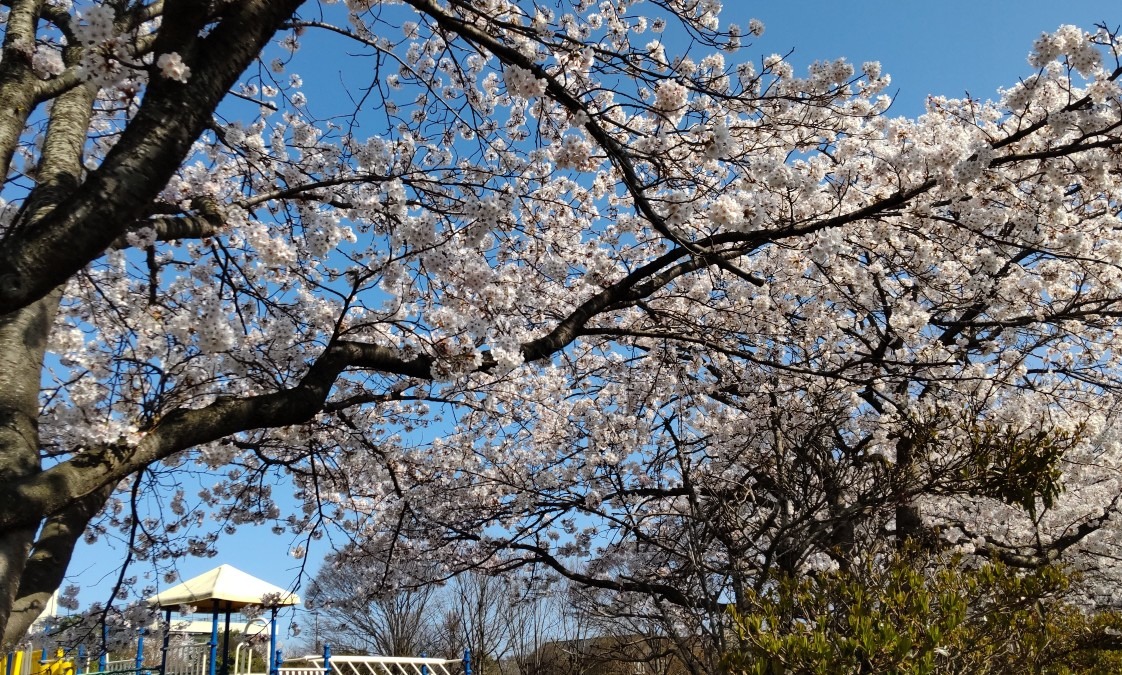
(301, 671)
(376, 665)
(187, 659)
(243, 660)
(120, 664)
(194, 659)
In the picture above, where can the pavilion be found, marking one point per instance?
(224, 590)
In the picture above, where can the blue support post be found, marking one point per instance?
(226, 644)
(214, 642)
(424, 666)
(164, 646)
(43, 653)
(467, 662)
(278, 659)
(139, 652)
(327, 658)
(103, 657)
(274, 653)
(80, 664)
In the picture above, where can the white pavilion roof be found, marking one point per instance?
(224, 588)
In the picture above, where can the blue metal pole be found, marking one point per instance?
(214, 642)
(467, 662)
(80, 665)
(103, 657)
(164, 646)
(424, 666)
(327, 658)
(274, 653)
(43, 654)
(278, 659)
(139, 652)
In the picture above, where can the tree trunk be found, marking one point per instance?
(909, 522)
(48, 561)
(23, 342)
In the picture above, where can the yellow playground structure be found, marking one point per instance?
(28, 662)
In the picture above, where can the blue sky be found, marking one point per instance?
(948, 48)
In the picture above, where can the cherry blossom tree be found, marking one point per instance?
(537, 288)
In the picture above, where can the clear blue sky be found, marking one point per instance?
(948, 47)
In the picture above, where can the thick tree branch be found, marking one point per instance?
(207, 222)
(49, 559)
(17, 81)
(54, 489)
(41, 255)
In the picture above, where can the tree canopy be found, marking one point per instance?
(585, 288)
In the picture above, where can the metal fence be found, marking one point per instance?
(377, 665)
(187, 659)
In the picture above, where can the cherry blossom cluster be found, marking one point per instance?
(1070, 42)
(172, 67)
(522, 82)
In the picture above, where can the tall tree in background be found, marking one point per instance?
(477, 609)
(539, 616)
(689, 320)
(353, 606)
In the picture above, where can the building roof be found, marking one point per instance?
(224, 588)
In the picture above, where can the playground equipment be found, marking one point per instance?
(30, 662)
(45, 661)
(36, 662)
(222, 590)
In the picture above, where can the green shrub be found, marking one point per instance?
(911, 612)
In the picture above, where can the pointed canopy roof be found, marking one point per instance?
(224, 588)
